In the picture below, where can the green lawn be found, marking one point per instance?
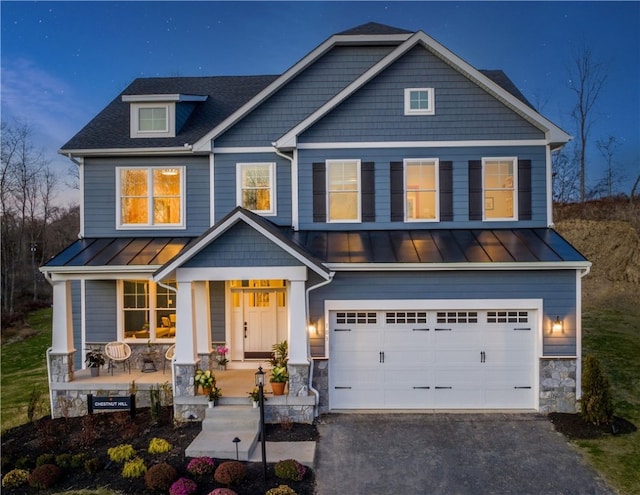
(614, 337)
(24, 369)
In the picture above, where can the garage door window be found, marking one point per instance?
(400, 317)
(507, 317)
(457, 317)
(361, 318)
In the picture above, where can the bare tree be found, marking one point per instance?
(27, 190)
(607, 148)
(587, 77)
(565, 175)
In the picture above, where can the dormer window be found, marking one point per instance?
(154, 116)
(153, 120)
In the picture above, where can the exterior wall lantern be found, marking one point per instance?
(557, 326)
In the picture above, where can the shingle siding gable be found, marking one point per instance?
(303, 95)
(463, 110)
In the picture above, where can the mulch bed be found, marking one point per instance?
(574, 427)
(93, 435)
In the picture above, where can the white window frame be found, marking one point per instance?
(514, 160)
(170, 129)
(150, 225)
(431, 108)
(436, 163)
(272, 186)
(358, 191)
(152, 309)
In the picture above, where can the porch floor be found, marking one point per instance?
(234, 383)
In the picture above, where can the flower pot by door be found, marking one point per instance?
(255, 404)
(211, 404)
(95, 371)
(278, 387)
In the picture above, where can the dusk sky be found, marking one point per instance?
(62, 62)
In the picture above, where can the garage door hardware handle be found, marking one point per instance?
(522, 329)
(341, 329)
(440, 388)
(522, 387)
(442, 329)
(381, 357)
(420, 329)
(483, 357)
(421, 388)
(342, 388)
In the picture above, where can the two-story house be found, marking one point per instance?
(382, 205)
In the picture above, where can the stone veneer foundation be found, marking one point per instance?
(558, 385)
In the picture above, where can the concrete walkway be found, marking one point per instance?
(417, 454)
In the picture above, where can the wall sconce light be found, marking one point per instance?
(556, 327)
(312, 329)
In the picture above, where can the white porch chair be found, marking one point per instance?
(118, 352)
(168, 356)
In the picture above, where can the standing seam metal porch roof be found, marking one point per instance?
(442, 246)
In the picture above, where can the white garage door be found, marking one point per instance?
(432, 359)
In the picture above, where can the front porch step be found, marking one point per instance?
(221, 425)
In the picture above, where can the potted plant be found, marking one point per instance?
(214, 394)
(279, 373)
(94, 360)
(254, 397)
(204, 379)
(222, 357)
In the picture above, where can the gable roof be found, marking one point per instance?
(554, 135)
(263, 226)
(373, 28)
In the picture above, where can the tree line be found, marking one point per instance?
(33, 227)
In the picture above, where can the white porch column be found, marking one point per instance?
(62, 318)
(185, 331)
(297, 331)
(202, 318)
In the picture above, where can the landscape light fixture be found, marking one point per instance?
(260, 384)
(236, 440)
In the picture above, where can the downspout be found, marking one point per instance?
(294, 184)
(306, 303)
(173, 375)
(584, 273)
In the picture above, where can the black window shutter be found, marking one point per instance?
(524, 190)
(475, 190)
(319, 192)
(446, 191)
(397, 191)
(368, 197)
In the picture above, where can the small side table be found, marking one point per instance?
(149, 361)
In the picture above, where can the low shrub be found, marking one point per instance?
(45, 476)
(200, 466)
(121, 453)
(24, 463)
(15, 478)
(229, 473)
(78, 460)
(222, 491)
(281, 490)
(160, 477)
(159, 446)
(45, 459)
(184, 486)
(64, 460)
(290, 469)
(92, 466)
(134, 468)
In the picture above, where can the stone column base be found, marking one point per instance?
(558, 385)
(298, 379)
(61, 366)
(183, 375)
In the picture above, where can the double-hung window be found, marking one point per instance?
(419, 101)
(256, 187)
(150, 197)
(148, 309)
(499, 184)
(421, 190)
(343, 191)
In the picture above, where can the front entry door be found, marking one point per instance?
(260, 323)
(258, 319)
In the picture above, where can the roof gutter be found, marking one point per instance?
(488, 266)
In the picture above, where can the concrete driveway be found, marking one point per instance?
(448, 453)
